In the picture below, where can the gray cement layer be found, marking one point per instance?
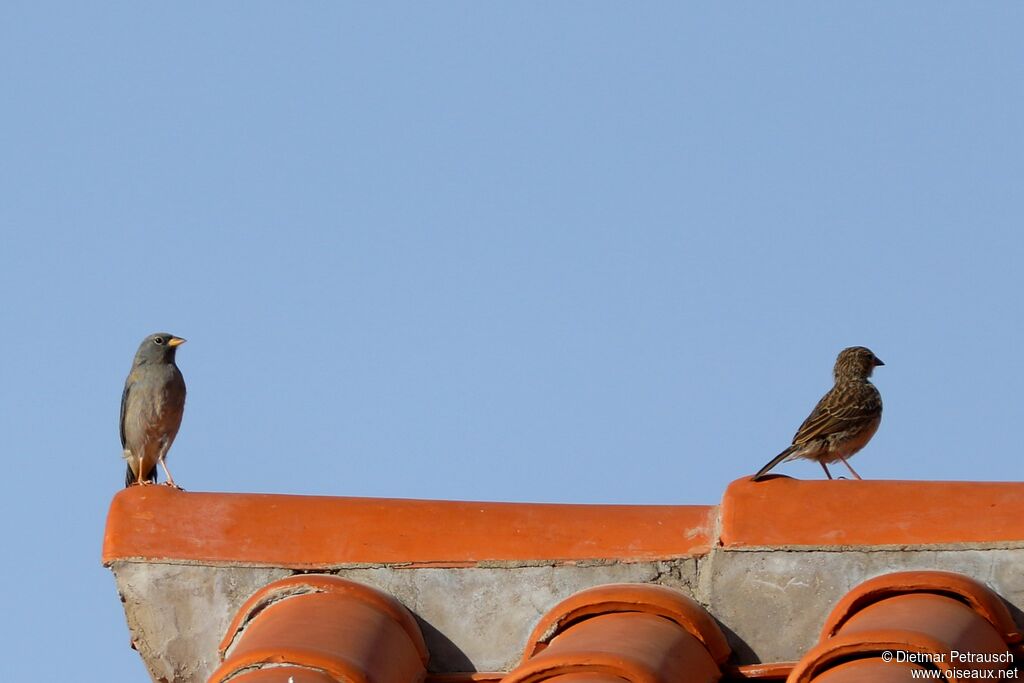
(177, 614)
(771, 604)
(479, 619)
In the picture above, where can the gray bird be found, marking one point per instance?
(151, 408)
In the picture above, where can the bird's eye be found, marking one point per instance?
(159, 340)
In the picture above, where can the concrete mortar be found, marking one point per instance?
(771, 604)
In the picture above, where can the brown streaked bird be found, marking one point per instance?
(151, 408)
(845, 418)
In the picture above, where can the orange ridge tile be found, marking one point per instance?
(927, 613)
(630, 646)
(269, 658)
(784, 512)
(874, 670)
(867, 645)
(280, 674)
(156, 523)
(585, 677)
(945, 619)
(630, 598)
(466, 677)
(971, 592)
(305, 584)
(345, 630)
(772, 671)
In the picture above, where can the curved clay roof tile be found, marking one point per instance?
(926, 614)
(342, 629)
(631, 597)
(971, 592)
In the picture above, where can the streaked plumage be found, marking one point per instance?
(845, 418)
(151, 408)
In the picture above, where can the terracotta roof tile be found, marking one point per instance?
(345, 630)
(767, 671)
(311, 584)
(314, 532)
(774, 513)
(874, 670)
(630, 598)
(973, 593)
(633, 646)
(283, 674)
(633, 632)
(928, 614)
(317, 628)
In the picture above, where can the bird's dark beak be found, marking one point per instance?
(878, 361)
(175, 341)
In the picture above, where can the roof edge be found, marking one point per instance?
(147, 523)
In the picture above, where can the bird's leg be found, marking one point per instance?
(824, 467)
(167, 472)
(852, 471)
(161, 458)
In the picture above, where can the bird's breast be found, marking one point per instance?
(857, 440)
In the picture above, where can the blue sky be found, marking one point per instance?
(595, 252)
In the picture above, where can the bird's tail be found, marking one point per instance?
(772, 463)
(130, 477)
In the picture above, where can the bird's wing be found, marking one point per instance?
(842, 408)
(124, 404)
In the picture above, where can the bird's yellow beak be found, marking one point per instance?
(175, 341)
